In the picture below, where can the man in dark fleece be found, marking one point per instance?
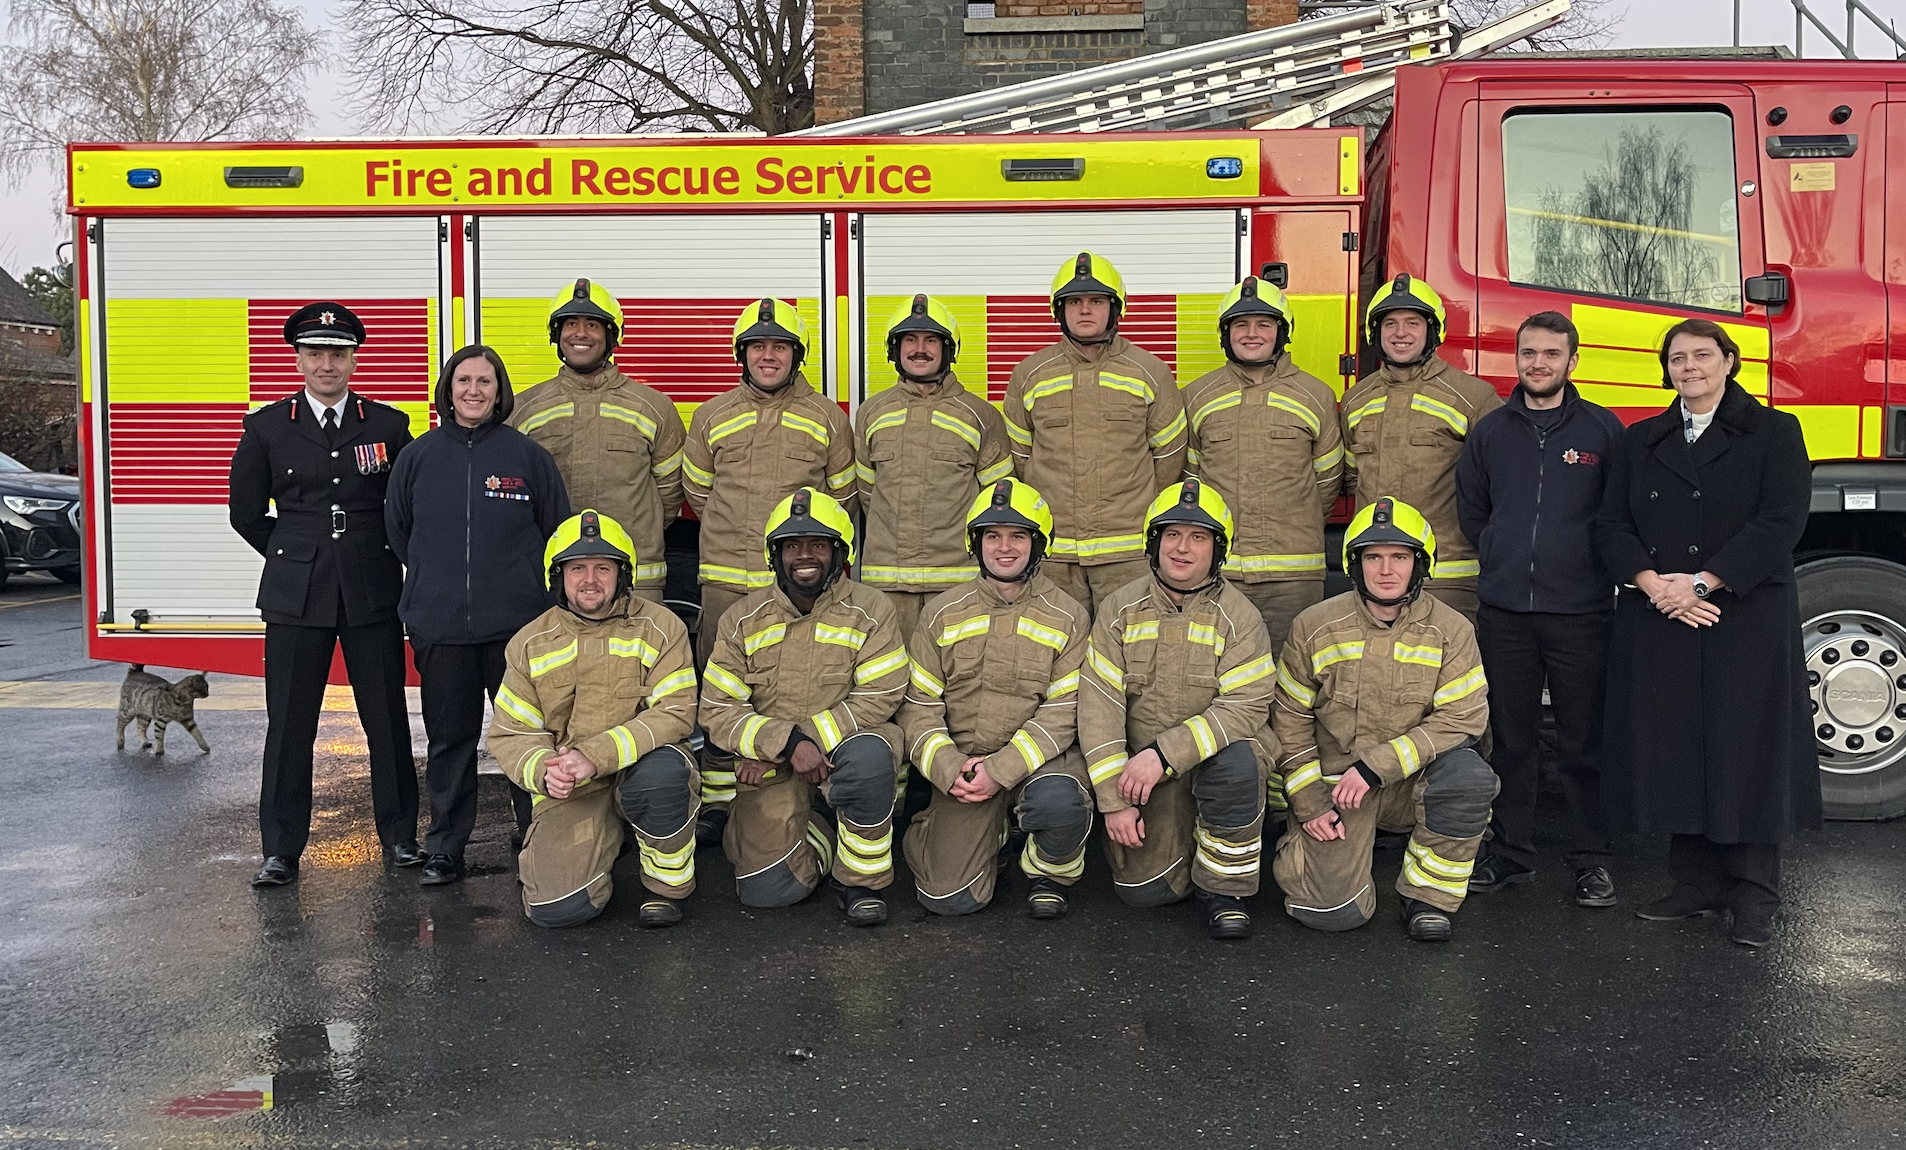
(470, 505)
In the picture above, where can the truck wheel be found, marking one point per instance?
(1853, 626)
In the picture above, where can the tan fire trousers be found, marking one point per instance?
(781, 845)
(1444, 809)
(1280, 601)
(952, 847)
(1093, 585)
(1204, 828)
(717, 765)
(572, 843)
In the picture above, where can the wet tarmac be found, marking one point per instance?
(149, 997)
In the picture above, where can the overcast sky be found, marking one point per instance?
(29, 229)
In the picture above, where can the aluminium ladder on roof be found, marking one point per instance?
(1282, 72)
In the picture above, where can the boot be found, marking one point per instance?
(1047, 900)
(709, 827)
(1425, 923)
(1225, 918)
(862, 905)
(657, 912)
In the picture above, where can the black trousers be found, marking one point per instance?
(1744, 877)
(454, 678)
(297, 665)
(1520, 652)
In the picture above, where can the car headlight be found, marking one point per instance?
(23, 505)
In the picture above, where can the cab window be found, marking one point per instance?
(1633, 204)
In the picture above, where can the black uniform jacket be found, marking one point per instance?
(326, 546)
(1709, 730)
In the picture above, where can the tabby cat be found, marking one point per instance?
(146, 698)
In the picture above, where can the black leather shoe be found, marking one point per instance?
(1047, 900)
(1425, 923)
(1682, 902)
(657, 912)
(1495, 872)
(1225, 918)
(441, 870)
(1755, 929)
(406, 853)
(279, 870)
(709, 827)
(1593, 887)
(862, 905)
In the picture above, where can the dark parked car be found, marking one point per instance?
(39, 522)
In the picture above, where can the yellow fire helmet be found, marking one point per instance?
(1255, 296)
(805, 513)
(1190, 502)
(771, 319)
(1088, 273)
(589, 534)
(1011, 503)
(1394, 522)
(1406, 293)
(923, 313)
(590, 300)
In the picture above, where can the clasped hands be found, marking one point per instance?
(1673, 596)
(807, 760)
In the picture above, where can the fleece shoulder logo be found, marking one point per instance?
(372, 458)
(1587, 457)
(506, 487)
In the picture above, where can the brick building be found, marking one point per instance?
(39, 402)
(873, 56)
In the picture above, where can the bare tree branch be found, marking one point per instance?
(1589, 23)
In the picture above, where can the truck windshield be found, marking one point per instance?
(1633, 204)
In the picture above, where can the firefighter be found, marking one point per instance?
(1264, 435)
(322, 459)
(749, 448)
(1098, 427)
(801, 688)
(923, 449)
(1173, 719)
(592, 720)
(991, 717)
(1380, 697)
(617, 441)
(1404, 426)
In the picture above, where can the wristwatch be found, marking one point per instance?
(1701, 588)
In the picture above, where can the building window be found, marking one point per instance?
(1634, 204)
(978, 11)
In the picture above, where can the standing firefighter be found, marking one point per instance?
(991, 717)
(1098, 427)
(617, 442)
(1180, 667)
(923, 449)
(748, 449)
(801, 687)
(592, 718)
(1264, 435)
(1380, 695)
(1404, 426)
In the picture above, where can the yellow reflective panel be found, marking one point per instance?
(178, 350)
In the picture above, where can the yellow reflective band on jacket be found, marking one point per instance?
(1303, 776)
(840, 636)
(928, 746)
(1424, 867)
(1244, 674)
(1032, 863)
(645, 572)
(1374, 407)
(1103, 545)
(1334, 654)
(1459, 688)
(1103, 668)
(752, 580)
(670, 465)
(828, 729)
(992, 475)
(1407, 756)
(625, 750)
(540, 665)
(1235, 859)
(1045, 387)
(695, 474)
(1423, 656)
(1328, 459)
(633, 418)
(1303, 696)
(729, 426)
(730, 684)
(964, 629)
(682, 680)
(750, 728)
(1106, 768)
(1040, 633)
(863, 855)
(1205, 635)
(560, 411)
(865, 473)
(1456, 569)
(1028, 750)
(922, 678)
(879, 668)
(761, 640)
(1140, 631)
(1224, 402)
(916, 576)
(841, 478)
(1457, 421)
(1200, 729)
(530, 762)
(673, 868)
(1246, 564)
(1168, 432)
(1286, 403)
(1019, 434)
(519, 708)
(896, 418)
(1063, 685)
(1126, 383)
(634, 649)
(947, 422)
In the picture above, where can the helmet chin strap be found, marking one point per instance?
(1410, 595)
(608, 356)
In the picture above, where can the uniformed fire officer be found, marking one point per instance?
(1380, 696)
(1264, 435)
(748, 449)
(323, 457)
(1179, 667)
(617, 441)
(923, 449)
(1404, 426)
(592, 720)
(1098, 427)
(802, 687)
(991, 717)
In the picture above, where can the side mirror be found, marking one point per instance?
(1770, 290)
(1276, 273)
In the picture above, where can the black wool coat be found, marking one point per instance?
(1709, 730)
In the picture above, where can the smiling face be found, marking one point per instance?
(1699, 368)
(1404, 335)
(473, 391)
(1543, 362)
(770, 362)
(326, 370)
(1184, 556)
(922, 354)
(807, 559)
(1005, 551)
(1387, 568)
(589, 584)
(1087, 316)
(1254, 338)
(583, 341)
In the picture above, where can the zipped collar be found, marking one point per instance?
(1518, 402)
